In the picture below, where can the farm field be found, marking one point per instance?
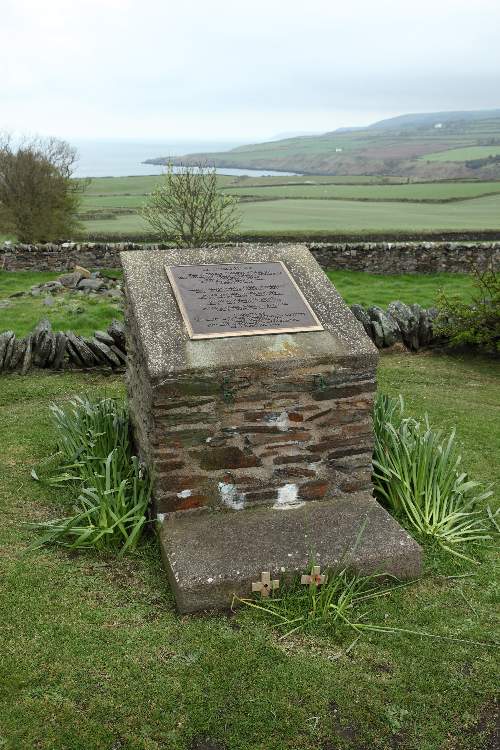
(464, 154)
(118, 668)
(84, 314)
(325, 216)
(316, 204)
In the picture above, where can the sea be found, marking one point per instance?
(124, 158)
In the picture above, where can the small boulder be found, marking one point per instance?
(85, 273)
(93, 285)
(70, 280)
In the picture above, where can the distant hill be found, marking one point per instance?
(431, 145)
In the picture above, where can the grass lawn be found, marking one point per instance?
(371, 289)
(76, 312)
(95, 657)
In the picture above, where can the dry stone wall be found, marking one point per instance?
(373, 257)
(410, 325)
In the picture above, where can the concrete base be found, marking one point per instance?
(211, 555)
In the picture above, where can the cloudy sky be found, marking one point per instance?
(239, 70)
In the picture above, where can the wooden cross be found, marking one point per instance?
(265, 585)
(316, 578)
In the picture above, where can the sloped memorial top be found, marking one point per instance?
(164, 332)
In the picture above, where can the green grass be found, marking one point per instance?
(94, 655)
(76, 312)
(424, 191)
(372, 289)
(464, 154)
(354, 217)
(302, 208)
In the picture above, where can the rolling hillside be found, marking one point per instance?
(430, 146)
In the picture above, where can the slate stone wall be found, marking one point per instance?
(260, 436)
(373, 257)
(407, 257)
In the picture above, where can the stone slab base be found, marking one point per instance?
(211, 555)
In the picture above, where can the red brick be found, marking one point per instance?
(313, 490)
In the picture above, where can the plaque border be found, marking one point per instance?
(232, 334)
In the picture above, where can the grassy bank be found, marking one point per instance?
(94, 655)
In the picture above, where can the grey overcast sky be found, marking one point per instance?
(239, 69)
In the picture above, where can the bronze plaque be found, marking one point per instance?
(240, 299)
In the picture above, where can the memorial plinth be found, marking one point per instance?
(251, 388)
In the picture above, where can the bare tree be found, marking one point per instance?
(189, 209)
(38, 198)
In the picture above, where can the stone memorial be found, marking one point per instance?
(251, 387)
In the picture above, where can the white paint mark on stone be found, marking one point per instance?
(287, 497)
(230, 496)
(185, 493)
(280, 421)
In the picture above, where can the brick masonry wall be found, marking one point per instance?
(373, 257)
(260, 436)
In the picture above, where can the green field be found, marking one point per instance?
(94, 656)
(465, 154)
(427, 192)
(309, 204)
(340, 216)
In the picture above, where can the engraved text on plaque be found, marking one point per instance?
(240, 299)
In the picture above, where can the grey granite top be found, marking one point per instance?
(165, 341)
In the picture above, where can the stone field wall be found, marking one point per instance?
(409, 325)
(373, 257)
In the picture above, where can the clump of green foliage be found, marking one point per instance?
(475, 323)
(96, 458)
(418, 475)
(189, 209)
(38, 198)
